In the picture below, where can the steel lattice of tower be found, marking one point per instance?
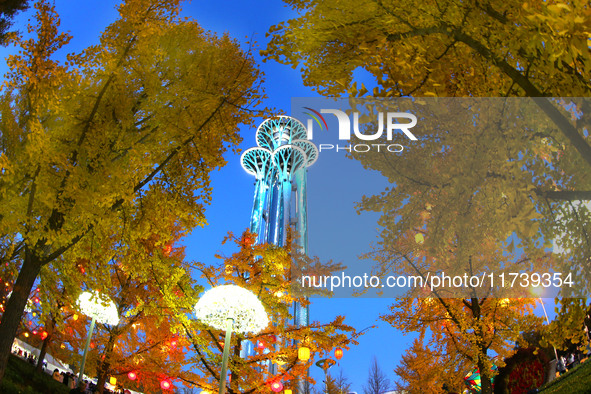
(279, 164)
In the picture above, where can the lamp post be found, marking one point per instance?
(100, 308)
(231, 308)
(325, 364)
(537, 291)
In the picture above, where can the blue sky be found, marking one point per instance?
(332, 193)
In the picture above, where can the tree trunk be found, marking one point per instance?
(103, 369)
(39, 367)
(50, 328)
(486, 385)
(16, 305)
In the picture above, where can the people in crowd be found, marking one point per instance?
(81, 389)
(56, 375)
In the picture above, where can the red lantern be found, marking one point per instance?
(338, 353)
(165, 384)
(167, 250)
(44, 335)
(260, 345)
(273, 339)
(173, 344)
(132, 375)
(276, 386)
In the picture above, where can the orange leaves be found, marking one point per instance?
(265, 270)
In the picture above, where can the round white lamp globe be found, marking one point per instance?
(221, 303)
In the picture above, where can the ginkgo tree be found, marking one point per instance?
(468, 49)
(146, 340)
(526, 180)
(265, 270)
(147, 112)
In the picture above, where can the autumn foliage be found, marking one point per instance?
(266, 271)
(144, 115)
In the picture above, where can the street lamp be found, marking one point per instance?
(325, 364)
(231, 308)
(100, 308)
(537, 291)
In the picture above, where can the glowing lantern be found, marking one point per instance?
(113, 380)
(44, 335)
(165, 384)
(26, 334)
(276, 386)
(206, 392)
(260, 345)
(132, 375)
(287, 391)
(34, 332)
(167, 250)
(75, 317)
(304, 353)
(338, 353)
(63, 346)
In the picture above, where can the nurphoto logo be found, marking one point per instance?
(392, 122)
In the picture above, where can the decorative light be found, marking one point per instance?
(276, 386)
(75, 317)
(280, 360)
(287, 391)
(26, 334)
(338, 353)
(113, 380)
(231, 308)
(44, 335)
(304, 353)
(63, 346)
(165, 384)
(99, 307)
(260, 345)
(205, 392)
(132, 375)
(167, 249)
(221, 303)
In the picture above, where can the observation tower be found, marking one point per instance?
(279, 163)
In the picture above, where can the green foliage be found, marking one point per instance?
(575, 381)
(20, 378)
